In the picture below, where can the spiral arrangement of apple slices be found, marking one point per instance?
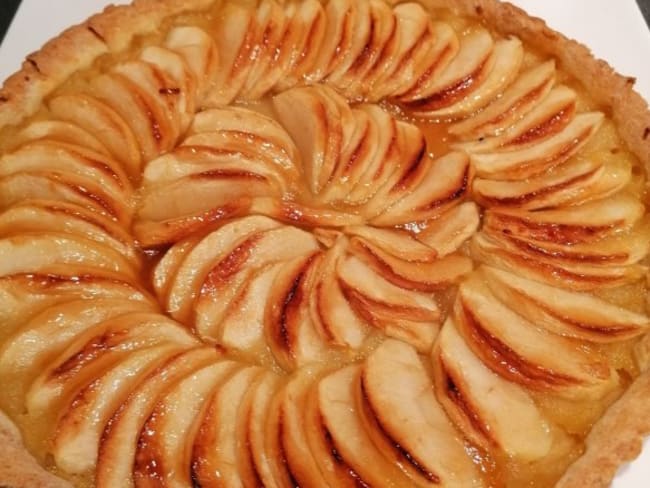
(335, 298)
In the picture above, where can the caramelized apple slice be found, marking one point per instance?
(522, 163)
(221, 279)
(525, 93)
(199, 51)
(167, 267)
(320, 121)
(31, 252)
(443, 182)
(24, 295)
(572, 225)
(400, 398)
(302, 464)
(462, 77)
(489, 410)
(46, 335)
(504, 253)
(521, 352)
(264, 74)
(398, 243)
(346, 432)
(164, 444)
(347, 35)
(565, 312)
(499, 71)
(305, 216)
(139, 109)
(59, 131)
(238, 30)
(33, 216)
(406, 314)
(352, 81)
(104, 123)
(47, 185)
(119, 440)
(182, 84)
(578, 181)
(336, 320)
(290, 331)
(450, 230)
(423, 276)
(259, 462)
(550, 116)
(81, 423)
(302, 41)
(212, 249)
(215, 446)
(96, 350)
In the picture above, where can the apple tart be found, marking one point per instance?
(348, 243)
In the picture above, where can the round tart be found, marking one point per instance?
(339, 243)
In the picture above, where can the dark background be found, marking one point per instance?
(8, 8)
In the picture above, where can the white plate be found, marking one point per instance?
(615, 31)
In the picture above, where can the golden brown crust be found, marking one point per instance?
(614, 440)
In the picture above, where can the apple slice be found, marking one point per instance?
(242, 326)
(505, 60)
(290, 331)
(81, 423)
(33, 216)
(349, 27)
(449, 231)
(301, 462)
(217, 289)
(320, 121)
(413, 275)
(352, 81)
(399, 397)
(573, 276)
(305, 216)
(199, 51)
(529, 161)
(489, 410)
(346, 433)
(549, 117)
(96, 350)
(522, 96)
(31, 252)
(215, 446)
(212, 249)
(163, 90)
(236, 28)
(573, 225)
(330, 310)
(59, 131)
(568, 183)
(396, 242)
(409, 50)
(405, 314)
(443, 182)
(47, 185)
(139, 109)
(119, 440)
(182, 84)
(565, 312)
(272, 21)
(461, 78)
(301, 44)
(164, 444)
(521, 352)
(105, 123)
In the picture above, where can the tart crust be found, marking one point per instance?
(615, 439)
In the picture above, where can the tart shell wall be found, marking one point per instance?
(616, 437)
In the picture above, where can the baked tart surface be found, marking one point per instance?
(341, 243)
